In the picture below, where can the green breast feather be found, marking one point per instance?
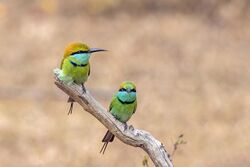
(78, 74)
(120, 111)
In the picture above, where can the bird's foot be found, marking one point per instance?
(71, 108)
(83, 89)
(131, 127)
(126, 126)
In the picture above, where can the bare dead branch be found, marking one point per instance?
(131, 136)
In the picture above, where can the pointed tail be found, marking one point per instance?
(109, 137)
(71, 101)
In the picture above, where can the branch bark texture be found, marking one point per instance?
(131, 136)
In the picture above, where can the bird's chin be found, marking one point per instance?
(82, 58)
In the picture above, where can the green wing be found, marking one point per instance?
(135, 107)
(112, 103)
(89, 71)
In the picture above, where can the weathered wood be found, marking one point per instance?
(131, 136)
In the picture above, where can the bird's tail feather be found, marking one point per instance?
(71, 101)
(109, 137)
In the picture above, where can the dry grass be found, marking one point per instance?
(193, 77)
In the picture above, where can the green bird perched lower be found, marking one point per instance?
(75, 65)
(122, 107)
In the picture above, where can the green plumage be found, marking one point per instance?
(78, 74)
(120, 111)
(122, 107)
(75, 65)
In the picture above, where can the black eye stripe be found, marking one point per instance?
(133, 90)
(78, 52)
(123, 90)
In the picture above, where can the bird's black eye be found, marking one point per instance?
(133, 90)
(122, 90)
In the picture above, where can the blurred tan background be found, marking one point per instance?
(190, 60)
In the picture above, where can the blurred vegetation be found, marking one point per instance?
(145, 161)
(212, 9)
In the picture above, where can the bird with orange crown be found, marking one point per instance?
(75, 65)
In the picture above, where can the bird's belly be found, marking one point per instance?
(78, 74)
(122, 112)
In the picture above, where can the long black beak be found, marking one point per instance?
(92, 50)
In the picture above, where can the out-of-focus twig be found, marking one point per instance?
(178, 142)
(145, 161)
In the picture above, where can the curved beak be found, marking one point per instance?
(92, 50)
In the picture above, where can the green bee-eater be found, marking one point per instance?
(122, 107)
(75, 65)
